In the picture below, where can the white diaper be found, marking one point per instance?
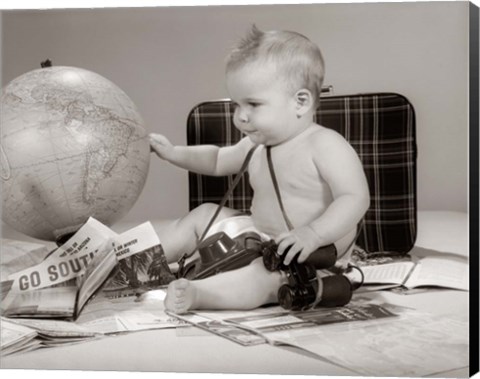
(236, 225)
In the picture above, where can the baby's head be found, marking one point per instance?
(296, 60)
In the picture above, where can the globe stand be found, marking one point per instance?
(64, 234)
(63, 238)
(59, 241)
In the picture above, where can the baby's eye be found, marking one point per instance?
(254, 104)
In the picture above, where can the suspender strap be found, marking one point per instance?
(222, 203)
(277, 190)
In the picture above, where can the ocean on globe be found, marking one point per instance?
(73, 145)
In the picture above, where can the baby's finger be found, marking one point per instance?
(153, 144)
(284, 244)
(304, 254)
(153, 148)
(292, 252)
(154, 136)
(157, 139)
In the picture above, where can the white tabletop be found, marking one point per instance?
(192, 350)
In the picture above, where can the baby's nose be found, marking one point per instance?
(242, 116)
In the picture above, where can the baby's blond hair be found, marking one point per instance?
(297, 60)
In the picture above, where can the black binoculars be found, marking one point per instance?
(322, 258)
(301, 292)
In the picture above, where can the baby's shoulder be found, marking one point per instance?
(323, 137)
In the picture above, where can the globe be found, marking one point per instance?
(73, 146)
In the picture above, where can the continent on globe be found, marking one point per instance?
(73, 146)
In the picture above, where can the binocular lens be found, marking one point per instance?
(271, 261)
(285, 297)
(295, 298)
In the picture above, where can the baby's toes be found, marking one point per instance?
(175, 300)
(181, 284)
(177, 304)
(181, 308)
(169, 303)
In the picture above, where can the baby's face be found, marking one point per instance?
(265, 107)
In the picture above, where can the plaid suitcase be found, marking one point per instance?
(379, 126)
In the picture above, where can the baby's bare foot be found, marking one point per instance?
(181, 296)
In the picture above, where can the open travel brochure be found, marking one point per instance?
(261, 325)
(61, 285)
(447, 270)
(367, 337)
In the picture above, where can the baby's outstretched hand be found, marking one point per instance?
(300, 240)
(160, 145)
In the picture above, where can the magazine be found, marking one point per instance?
(126, 311)
(368, 337)
(22, 335)
(15, 337)
(259, 326)
(61, 285)
(414, 344)
(447, 270)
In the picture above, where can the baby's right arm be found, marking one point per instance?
(202, 159)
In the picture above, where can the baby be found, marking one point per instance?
(274, 79)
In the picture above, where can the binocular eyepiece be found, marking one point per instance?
(322, 258)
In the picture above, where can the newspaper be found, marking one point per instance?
(109, 314)
(22, 335)
(18, 255)
(434, 269)
(87, 258)
(128, 300)
(262, 325)
(66, 262)
(102, 316)
(15, 337)
(413, 345)
(368, 338)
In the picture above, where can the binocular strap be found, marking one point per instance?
(181, 262)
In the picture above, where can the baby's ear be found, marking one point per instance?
(304, 101)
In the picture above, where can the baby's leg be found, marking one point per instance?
(180, 236)
(246, 288)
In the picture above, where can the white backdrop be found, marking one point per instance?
(168, 59)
